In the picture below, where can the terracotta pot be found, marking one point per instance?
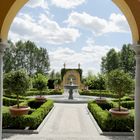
(22, 110)
(40, 99)
(124, 112)
(100, 100)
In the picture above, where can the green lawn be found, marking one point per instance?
(5, 109)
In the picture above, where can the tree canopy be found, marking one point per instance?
(28, 56)
(124, 59)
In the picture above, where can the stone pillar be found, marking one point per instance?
(2, 47)
(136, 47)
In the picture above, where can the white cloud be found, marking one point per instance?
(67, 4)
(38, 3)
(99, 26)
(42, 30)
(89, 57)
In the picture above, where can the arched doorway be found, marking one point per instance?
(130, 9)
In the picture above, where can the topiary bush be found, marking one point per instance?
(10, 101)
(128, 104)
(34, 104)
(16, 82)
(32, 120)
(121, 83)
(40, 83)
(103, 93)
(109, 123)
(44, 92)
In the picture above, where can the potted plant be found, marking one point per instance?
(40, 83)
(121, 83)
(17, 83)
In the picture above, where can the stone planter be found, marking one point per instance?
(22, 110)
(124, 112)
(100, 100)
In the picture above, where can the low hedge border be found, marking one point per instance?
(128, 104)
(125, 98)
(109, 123)
(10, 101)
(104, 93)
(32, 121)
(52, 92)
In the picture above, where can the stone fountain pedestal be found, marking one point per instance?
(70, 87)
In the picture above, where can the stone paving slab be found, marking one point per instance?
(67, 122)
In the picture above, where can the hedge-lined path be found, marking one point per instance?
(67, 122)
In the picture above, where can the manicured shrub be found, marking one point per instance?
(121, 83)
(106, 105)
(109, 123)
(32, 120)
(46, 92)
(16, 82)
(10, 101)
(40, 83)
(34, 104)
(127, 104)
(103, 93)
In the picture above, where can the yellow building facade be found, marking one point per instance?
(71, 74)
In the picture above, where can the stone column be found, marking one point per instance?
(136, 47)
(2, 47)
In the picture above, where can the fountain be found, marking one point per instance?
(71, 87)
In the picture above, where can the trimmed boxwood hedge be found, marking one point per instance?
(32, 120)
(34, 103)
(109, 123)
(125, 98)
(10, 101)
(128, 104)
(104, 93)
(47, 92)
(107, 105)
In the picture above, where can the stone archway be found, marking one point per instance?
(130, 8)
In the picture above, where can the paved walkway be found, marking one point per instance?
(67, 122)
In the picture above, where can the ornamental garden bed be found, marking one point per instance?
(107, 122)
(31, 121)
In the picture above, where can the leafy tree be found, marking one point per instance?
(110, 62)
(42, 61)
(95, 82)
(28, 56)
(101, 82)
(52, 75)
(128, 60)
(40, 82)
(120, 82)
(54, 79)
(16, 82)
(103, 64)
(124, 59)
(8, 58)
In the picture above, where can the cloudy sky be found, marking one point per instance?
(73, 31)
